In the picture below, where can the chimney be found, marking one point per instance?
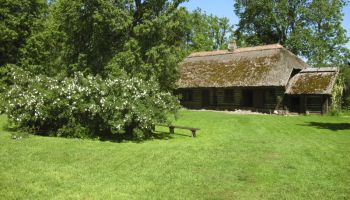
(232, 46)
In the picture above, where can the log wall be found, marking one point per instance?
(314, 104)
(264, 99)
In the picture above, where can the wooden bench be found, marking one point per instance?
(172, 129)
(193, 130)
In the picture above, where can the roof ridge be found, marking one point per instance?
(319, 69)
(238, 50)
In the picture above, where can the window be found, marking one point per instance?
(229, 96)
(187, 95)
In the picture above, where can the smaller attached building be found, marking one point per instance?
(310, 90)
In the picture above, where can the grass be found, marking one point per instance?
(233, 157)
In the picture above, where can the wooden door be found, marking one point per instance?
(294, 104)
(258, 98)
(205, 98)
(247, 98)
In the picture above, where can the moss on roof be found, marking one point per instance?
(228, 73)
(312, 83)
(269, 65)
(265, 70)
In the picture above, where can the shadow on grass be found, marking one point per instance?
(160, 135)
(183, 135)
(156, 135)
(329, 126)
(116, 138)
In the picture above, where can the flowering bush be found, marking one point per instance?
(86, 106)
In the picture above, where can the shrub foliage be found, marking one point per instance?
(337, 94)
(86, 105)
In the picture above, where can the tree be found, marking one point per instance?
(18, 20)
(99, 37)
(78, 36)
(208, 32)
(311, 29)
(156, 41)
(136, 45)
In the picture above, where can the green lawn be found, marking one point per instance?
(233, 157)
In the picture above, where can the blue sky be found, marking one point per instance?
(224, 8)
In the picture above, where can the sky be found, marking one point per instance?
(224, 8)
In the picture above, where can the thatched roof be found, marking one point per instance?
(269, 65)
(313, 81)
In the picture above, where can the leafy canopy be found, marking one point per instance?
(308, 28)
(100, 37)
(18, 19)
(208, 32)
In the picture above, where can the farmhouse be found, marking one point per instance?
(264, 78)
